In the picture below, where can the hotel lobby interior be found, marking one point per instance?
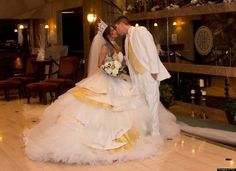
(45, 53)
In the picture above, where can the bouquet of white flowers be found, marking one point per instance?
(113, 68)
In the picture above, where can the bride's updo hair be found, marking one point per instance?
(106, 33)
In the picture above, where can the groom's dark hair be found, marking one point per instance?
(122, 19)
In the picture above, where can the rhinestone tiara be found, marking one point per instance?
(102, 27)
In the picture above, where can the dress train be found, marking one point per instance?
(101, 120)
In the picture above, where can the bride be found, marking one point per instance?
(101, 120)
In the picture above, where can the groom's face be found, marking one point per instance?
(120, 28)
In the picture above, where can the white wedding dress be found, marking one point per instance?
(101, 120)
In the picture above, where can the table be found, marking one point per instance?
(43, 68)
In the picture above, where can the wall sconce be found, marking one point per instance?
(67, 12)
(91, 17)
(21, 26)
(46, 26)
(15, 30)
(155, 24)
(178, 23)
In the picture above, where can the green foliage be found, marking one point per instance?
(230, 110)
(230, 106)
(166, 94)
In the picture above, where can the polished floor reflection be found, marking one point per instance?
(185, 154)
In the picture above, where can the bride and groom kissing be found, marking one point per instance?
(86, 116)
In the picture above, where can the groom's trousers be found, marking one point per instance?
(147, 86)
(149, 89)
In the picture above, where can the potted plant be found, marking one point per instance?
(230, 110)
(166, 94)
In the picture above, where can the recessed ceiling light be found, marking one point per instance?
(67, 12)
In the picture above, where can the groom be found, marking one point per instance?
(145, 68)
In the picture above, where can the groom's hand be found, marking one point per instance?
(154, 76)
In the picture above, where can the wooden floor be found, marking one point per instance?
(186, 154)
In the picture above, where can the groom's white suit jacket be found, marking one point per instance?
(145, 51)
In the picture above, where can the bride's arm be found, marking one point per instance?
(102, 56)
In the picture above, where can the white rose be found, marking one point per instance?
(115, 72)
(117, 64)
(109, 70)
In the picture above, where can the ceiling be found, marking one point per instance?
(19, 9)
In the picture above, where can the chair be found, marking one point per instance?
(12, 67)
(67, 73)
(7, 85)
(30, 75)
(67, 77)
(41, 88)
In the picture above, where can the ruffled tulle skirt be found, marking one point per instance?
(101, 120)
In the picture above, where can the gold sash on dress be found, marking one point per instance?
(84, 93)
(130, 137)
(137, 66)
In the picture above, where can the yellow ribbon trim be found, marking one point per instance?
(82, 93)
(131, 137)
(137, 66)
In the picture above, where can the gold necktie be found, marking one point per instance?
(137, 66)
